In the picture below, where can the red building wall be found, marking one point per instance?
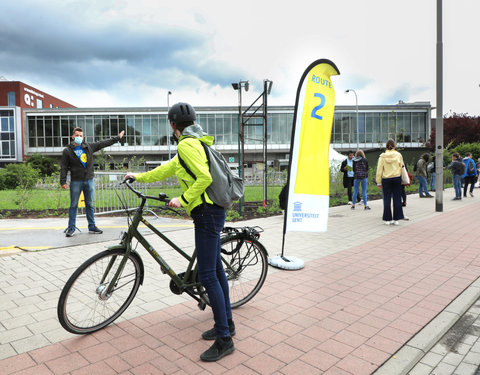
(27, 96)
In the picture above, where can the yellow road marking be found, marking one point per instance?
(24, 247)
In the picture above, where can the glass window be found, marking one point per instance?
(48, 126)
(40, 131)
(5, 126)
(89, 128)
(97, 125)
(39, 103)
(11, 98)
(64, 126)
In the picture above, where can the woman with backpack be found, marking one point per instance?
(208, 219)
(469, 174)
(360, 175)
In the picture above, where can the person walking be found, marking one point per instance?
(469, 174)
(360, 175)
(389, 178)
(208, 219)
(347, 168)
(458, 168)
(77, 158)
(421, 175)
(432, 172)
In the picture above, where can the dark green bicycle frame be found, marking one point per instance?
(133, 232)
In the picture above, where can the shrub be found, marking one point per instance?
(18, 175)
(45, 165)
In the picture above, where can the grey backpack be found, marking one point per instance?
(225, 187)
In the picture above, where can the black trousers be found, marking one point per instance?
(468, 180)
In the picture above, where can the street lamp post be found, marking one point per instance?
(167, 126)
(241, 141)
(356, 110)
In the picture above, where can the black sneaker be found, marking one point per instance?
(69, 232)
(366, 207)
(211, 334)
(95, 231)
(220, 348)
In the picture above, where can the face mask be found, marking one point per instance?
(78, 140)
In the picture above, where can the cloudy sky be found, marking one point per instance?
(116, 53)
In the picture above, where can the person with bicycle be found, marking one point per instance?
(208, 218)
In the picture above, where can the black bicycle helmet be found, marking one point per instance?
(181, 112)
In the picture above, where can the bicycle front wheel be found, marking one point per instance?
(246, 266)
(84, 305)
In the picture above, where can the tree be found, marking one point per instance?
(457, 128)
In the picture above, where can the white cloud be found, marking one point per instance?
(135, 51)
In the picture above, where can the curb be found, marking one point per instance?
(420, 344)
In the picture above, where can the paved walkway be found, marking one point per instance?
(371, 299)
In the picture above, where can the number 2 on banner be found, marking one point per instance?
(318, 107)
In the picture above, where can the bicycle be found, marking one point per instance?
(103, 287)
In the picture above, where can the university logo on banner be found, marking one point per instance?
(308, 177)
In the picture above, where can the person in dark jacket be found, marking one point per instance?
(347, 168)
(458, 169)
(77, 158)
(360, 174)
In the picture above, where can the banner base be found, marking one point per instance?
(286, 262)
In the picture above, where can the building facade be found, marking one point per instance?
(32, 121)
(15, 96)
(148, 134)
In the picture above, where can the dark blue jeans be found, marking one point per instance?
(209, 221)
(422, 186)
(76, 188)
(392, 190)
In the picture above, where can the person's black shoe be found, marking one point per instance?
(69, 232)
(211, 334)
(220, 348)
(95, 231)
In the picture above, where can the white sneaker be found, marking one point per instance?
(396, 222)
(387, 222)
(350, 202)
(406, 218)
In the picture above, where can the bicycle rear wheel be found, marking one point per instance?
(84, 306)
(246, 266)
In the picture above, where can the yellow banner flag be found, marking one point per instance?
(309, 185)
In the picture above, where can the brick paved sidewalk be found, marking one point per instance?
(345, 313)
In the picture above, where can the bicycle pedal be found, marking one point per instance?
(202, 305)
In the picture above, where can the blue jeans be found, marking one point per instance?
(422, 185)
(457, 184)
(76, 188)
(356, 184)
(433, 177)
(209, 222)
(392, 190)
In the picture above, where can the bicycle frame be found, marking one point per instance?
(188, 280)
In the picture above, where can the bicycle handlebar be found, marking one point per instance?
(162, 197)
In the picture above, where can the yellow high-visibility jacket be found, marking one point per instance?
(193, 155)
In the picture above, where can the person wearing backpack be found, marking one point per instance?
(208, 219)
(469, 174)
(458, 169)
